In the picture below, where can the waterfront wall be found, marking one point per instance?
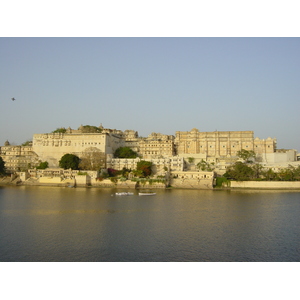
(50, 180)
(147, 185)
(83, 180)
(192, 180)
(128, 184)
(107, 183)
(54, 181)
(192, 183)
(265, 184)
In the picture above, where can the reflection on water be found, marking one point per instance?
(62, 224)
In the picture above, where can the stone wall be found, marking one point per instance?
(195, 180)
(82, 180)
(266, 184)
(281, 157)
(192, 183)
(50, 180)
(107, 183)
(148, 186)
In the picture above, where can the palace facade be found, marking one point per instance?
(18, 158)
(218, 147)
(220, 144)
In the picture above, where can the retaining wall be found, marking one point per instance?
(265, 184)
(192, 184)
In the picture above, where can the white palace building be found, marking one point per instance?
(178, 153)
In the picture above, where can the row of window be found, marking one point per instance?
(233, 146)
(16, 161)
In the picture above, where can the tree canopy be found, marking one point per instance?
(125, 152)
(239, 171)
(191, 160)
(60, 130)
(69, 161)
(246, 154)
(43, 165)
(27, 143)
(144, 168)
(205, 166)
(2, 166)
(242, 172)
(90, 129)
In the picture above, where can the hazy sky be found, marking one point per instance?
(151, 85)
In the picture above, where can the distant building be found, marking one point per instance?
(18, 158)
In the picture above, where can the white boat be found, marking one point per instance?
(147, 194)
(124, 194)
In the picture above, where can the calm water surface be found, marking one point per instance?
(65, 224)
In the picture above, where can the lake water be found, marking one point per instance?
(89, 224)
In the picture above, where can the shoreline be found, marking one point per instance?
(20, 184)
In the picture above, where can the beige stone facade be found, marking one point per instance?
(157, 145)
(175, 152)
(159, 167)
(221, 143)
(59, 176)
(131, 140)
(51, 147)
(18, 158)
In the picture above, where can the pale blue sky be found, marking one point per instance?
(151, 85)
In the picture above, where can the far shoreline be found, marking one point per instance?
(21, 184)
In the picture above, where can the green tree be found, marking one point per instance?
(257, 170)
(125, 152)
(297, 173)
(43, 165)
(2, 166)
(191, 160)
(125, 172)
(240, 171)
(205, 166)
(144, 168)
(69, 161)
(27, 143)
(246, 155)
(60, 130)
(270, 175)
(289, 174)
(90, 129)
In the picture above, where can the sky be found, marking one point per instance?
(151, 85)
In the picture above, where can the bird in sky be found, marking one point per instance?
(13, 99)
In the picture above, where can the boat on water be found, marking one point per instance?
(124, 194)
(147, 194)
